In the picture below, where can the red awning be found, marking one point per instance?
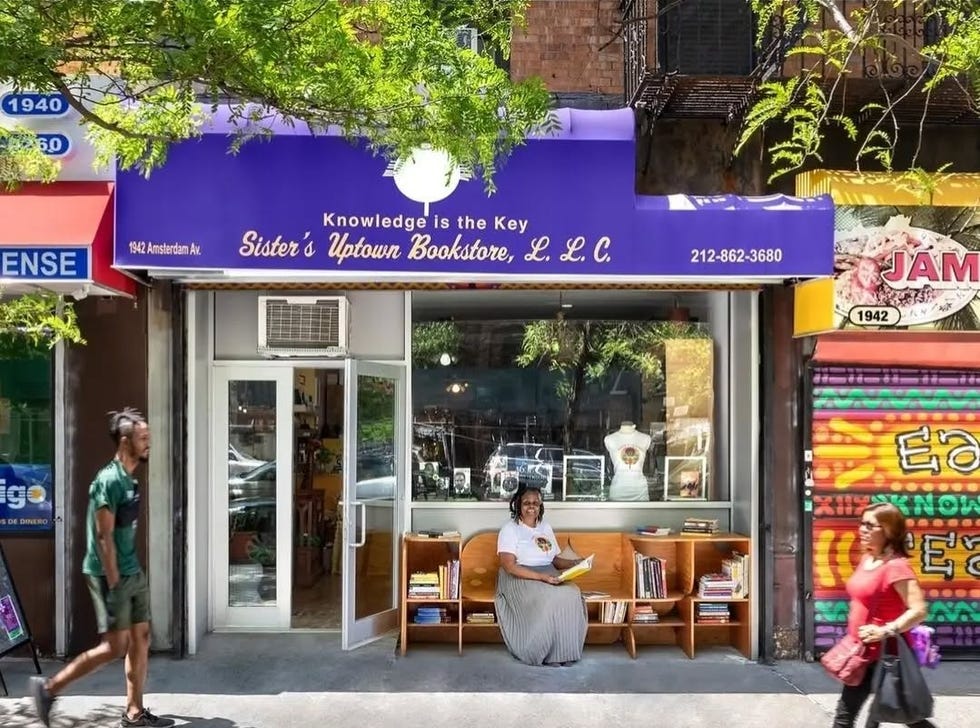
(64, 214)
(932, 349)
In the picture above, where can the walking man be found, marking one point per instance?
(115, 579)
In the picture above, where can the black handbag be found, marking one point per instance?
(900, 692)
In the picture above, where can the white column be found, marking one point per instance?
(159, 490)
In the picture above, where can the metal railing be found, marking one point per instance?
(717, 38)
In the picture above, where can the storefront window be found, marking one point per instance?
(26, 440)
(592, 395)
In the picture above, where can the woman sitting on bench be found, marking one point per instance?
(542, 620)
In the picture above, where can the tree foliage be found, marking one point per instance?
(386, 70)
(30, 325)
(810, 104)
(579, 352)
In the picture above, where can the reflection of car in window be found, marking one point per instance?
(515, 463)
(261, 483)
(239, 463)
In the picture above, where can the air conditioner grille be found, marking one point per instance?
(313, 325)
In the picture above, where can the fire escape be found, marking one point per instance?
(691, 59)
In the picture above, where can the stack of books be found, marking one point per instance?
(652, 531)
(709, 613)
(651, 577)
(644, 614)
(440, 584)
(481, 618)
(424, 585)
(716, 586)
(700, 526)
(431, 615)
(736, 568)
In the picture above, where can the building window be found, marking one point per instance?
(26, 439)
(591, 395)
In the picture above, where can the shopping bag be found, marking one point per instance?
(900, 691)
(847, 660)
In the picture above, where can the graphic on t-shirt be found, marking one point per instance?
(543, 543)
(630, 455)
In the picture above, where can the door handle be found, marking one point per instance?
(363, 539)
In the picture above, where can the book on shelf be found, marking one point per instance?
(651, 577)
(595, 595)
(652, 531)
(700, 526)
(613, 612)
(582, 567)
(432, 615)
(716, 586)
(736, 568)
(644, 614)
(443, 583)
(713, 613)
(481, 618)
(434, 533)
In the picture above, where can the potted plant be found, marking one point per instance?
(307, 560)
(263, 552)
(242, 529)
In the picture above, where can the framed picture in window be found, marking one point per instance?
(461, 481)
(584, 477)
(684, 478)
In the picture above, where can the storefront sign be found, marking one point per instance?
(37, 263)
(912, 438)
(908, 266)
(25, 498)
(564, 207)
(57, 127)
(13, 625)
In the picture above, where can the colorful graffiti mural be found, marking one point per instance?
(910, 437)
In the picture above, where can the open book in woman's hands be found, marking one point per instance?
(582, 567)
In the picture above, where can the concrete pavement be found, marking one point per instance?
(280, 681)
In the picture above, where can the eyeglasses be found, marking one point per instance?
(869, 525)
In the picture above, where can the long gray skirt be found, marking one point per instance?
(541, 623)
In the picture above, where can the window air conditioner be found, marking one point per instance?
(302, 326)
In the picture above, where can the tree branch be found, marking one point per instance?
(91, 116)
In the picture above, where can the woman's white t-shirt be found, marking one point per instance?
(532, 546)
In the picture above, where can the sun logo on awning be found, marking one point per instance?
(427, 175)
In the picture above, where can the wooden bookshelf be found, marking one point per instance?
(427, 554)
(687, 558)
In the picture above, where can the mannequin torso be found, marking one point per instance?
(627, 448)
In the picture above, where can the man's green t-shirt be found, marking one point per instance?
(117, 490)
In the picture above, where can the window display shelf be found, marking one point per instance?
(577, 505)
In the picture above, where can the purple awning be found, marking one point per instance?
(565, 209)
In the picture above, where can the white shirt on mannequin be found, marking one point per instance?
(627, 448)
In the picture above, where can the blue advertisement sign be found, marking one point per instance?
(26, 502)
(45, 263)
(564, 208)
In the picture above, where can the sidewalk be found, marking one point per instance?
(279, 681)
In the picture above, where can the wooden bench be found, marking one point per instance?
(613, 574)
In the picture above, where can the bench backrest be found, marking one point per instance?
(611, 571)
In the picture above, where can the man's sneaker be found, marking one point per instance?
(43, 700)
(146, 718)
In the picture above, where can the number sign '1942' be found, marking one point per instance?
(33, 104)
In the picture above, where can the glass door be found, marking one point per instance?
(252, 497)
(374, 481)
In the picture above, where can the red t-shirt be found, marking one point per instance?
(874, 590)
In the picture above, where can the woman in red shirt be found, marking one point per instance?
(886, 599)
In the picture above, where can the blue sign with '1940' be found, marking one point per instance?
(45, 263)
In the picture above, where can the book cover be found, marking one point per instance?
(582, 567)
